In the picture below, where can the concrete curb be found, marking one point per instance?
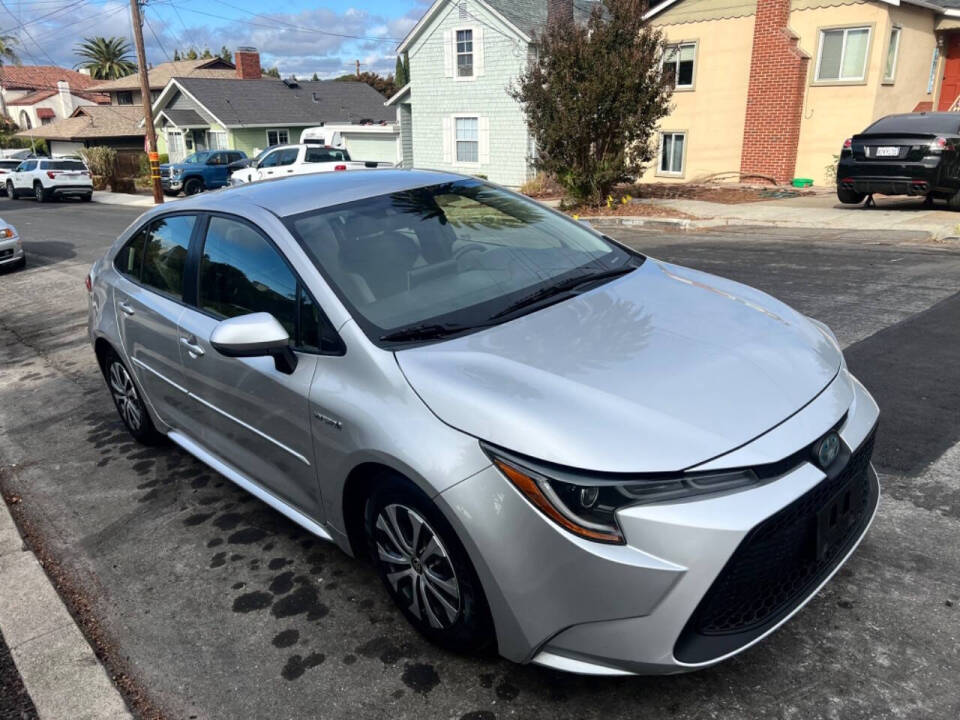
(110, 198)
(59, 669)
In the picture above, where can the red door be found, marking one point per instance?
(950, 88)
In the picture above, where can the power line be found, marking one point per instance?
(41, 17)
(155, 36)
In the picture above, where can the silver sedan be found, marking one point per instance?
(11, 247)
(545, 441)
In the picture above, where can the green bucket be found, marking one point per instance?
(802, 182)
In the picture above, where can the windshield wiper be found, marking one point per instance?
(426, 331)
(559, 288)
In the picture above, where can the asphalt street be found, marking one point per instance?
(206, 604)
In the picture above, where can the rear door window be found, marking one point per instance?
(288, 156)
(165, 254)
(317, 155)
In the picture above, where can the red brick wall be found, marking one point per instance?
(778, 78)
(247, 61)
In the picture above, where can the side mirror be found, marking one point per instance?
(255, 335)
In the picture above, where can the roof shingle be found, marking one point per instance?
(93, 121)
(159, 75)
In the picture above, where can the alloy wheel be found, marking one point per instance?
(125, 396)
(418, 566)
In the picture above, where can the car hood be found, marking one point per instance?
(657, 371)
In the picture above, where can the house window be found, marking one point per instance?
(843, 54)
(218, 140)
(468, 140)
(25, 123)
(672, 151)
(464, 53)
(277, 137)
(678, 64)
(175, 146)
(893, 49)
(125, 97)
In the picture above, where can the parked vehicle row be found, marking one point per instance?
(302, 159)
(547, 442)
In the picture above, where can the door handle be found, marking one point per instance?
(195, 350)
(289, 171)
(126, 308)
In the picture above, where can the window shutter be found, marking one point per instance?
(448, 53)
(478, 51)
(483, 140)
(448, 139)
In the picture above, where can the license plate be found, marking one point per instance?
(836, 517)
(888, 151)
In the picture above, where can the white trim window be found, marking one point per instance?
(843, 54)
(464, 52)
(175, 146)
(893, 51)
(467, 140)
(678, 62)
(673, 150)
(277, 136)
(218, 140)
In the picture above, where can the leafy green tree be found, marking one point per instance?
(385, 85)
(191, 54)
(400, 73)
(176, 55)
(105, 58)
(594, 96)
(226, 54)
(206, 54)
(272, 72)
(315, 77)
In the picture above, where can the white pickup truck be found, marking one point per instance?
(303, 159)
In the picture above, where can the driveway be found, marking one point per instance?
(206, 604)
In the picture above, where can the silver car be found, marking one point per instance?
(545, 441)
(11, 247)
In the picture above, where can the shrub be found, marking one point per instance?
(101, 160)
(593, 98)
(541, 185)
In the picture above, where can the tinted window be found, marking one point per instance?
(27, 166)
(242, 273)
(9, 164)
(234, 157)
(288, 156)
(165, 253)
(316, 332)
(129, 258)
(324, 155)
(64, 165)
(947, 123)
(217, 159)
(271, 160)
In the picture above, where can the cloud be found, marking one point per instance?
(315, 40)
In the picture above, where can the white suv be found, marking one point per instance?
(47, 179)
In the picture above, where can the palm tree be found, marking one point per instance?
(7, 56)
(105, 58)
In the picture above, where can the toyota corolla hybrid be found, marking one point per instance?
(545, 441)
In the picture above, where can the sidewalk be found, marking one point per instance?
(56, 666)
(819, 211)
(130, 200)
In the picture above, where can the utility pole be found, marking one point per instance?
(358, 68)
(146, 102)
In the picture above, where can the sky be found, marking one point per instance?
(305, 37)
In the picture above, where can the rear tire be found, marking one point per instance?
(127, 400)
(192, 186)
(11, 192)
(424, 567)
(850, 197)
(953, 202)
(87, 198)
(39, 193)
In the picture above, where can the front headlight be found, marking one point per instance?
(586, 504)
(176, 172)
(6, 233)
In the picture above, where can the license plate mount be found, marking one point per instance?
(888, 151)
(836, 517)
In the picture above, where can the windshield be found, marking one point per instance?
(461, 254)
(200, 157)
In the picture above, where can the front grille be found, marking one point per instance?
(779, 563)
(164, 172)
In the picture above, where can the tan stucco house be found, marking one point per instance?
(773, 87)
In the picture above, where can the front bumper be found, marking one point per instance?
(11, 251)
(169, 183)
(572, 604)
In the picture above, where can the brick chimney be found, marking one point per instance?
(247, 60)
(778, 78)
(559, 11)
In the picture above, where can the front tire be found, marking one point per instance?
(171, 193)
(425, 569)
(192, 186)
(127, 400)
(850, 197)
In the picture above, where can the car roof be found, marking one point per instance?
(302, 193)
(924, 122)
